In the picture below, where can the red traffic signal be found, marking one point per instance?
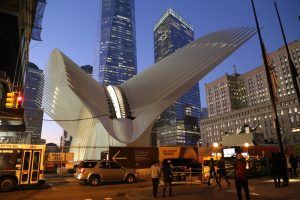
(19, 100)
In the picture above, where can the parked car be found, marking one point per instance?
(95, 171)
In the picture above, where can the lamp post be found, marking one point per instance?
(216, 145)
(269, 82)
(246, 145)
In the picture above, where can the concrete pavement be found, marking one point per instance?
(259, 189)
(68, 188)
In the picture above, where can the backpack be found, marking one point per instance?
(240, 171)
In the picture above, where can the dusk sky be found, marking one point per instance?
(74, 28)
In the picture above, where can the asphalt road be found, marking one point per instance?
(70, 189)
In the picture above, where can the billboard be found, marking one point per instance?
(134, 157)
(178, 152)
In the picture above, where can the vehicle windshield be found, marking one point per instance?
(87, 164)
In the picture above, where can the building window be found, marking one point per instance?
(292, 119)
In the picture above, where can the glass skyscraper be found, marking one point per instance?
(33, 94)
(178, 125)
(117, 42)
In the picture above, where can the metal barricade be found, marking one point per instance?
(187, 177)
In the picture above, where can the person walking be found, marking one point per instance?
(167, 177)
(212, 171)
(275, 169)
(155, 174)
(283, 168)
(294, 165)
(222, 171)
(241, 180)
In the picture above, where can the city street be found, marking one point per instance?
(69, 188)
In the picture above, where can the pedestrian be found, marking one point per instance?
(241, 180)
(212, 171)
(283, 168)
(222, 171)
(294, 165)
(289, 166)
(167, 177)
(275, 169)
(155, 174)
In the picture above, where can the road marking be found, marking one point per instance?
(52, 186)
(252, 193)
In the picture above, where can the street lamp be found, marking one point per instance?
(216, 145)
(246, 145)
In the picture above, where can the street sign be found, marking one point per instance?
(134, 157)
(114, 158)
(56, 157)
(60, 157)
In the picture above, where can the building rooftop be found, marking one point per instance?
(169, 12)
(33, 66)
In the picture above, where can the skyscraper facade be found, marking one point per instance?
(33, 94)
(236, 91)
(117, 42)
(178, 125)
(236, 101)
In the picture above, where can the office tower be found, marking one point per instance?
(239, 100)
(33, 94)
(178, 125)
(117, 42)
(88, 69)
(203, 113)
(232, 92)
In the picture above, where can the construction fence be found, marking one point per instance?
(64, 160)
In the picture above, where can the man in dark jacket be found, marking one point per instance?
(283, 169)
(168, 177)
(212, 171)
(275, 169)
(294, 164)
(241, 180)
(222, 171)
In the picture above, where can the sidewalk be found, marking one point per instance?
(260, 189)
(266, 187)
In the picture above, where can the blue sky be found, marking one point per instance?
(74, 28)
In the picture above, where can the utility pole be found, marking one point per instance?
(293, 69)
(267, 70)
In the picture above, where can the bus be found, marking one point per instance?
(21, 164)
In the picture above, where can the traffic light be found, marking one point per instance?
(19, 100)
(14, 100)
(10, 100)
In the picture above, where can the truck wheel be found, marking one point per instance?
(130, 178)
(7, 184)
(94, 180)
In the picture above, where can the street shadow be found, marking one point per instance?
(110, 182)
